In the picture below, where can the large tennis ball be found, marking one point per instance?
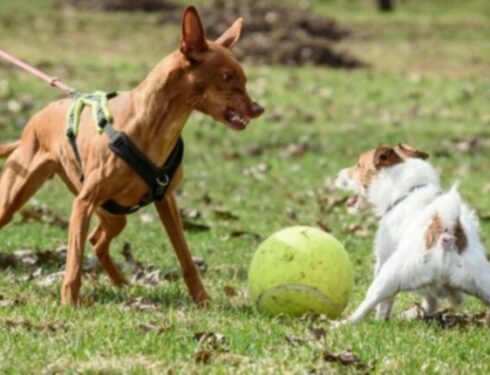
(298, 270)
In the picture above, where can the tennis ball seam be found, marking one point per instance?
(299, 287)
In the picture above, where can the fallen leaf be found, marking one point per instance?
(317, 332)
(141, 304)
(448, 318)
(294, 150)
(230, 291)
(7, 261)
(206, 198)
(322, 225)
(51, 279)
(415, 312)
(190, 213)
(231, 358)
(294, 341)
(232, 155)
(194, 227)
(211, 340)
(43, 214)
(240, 233)
(255, 151)
(347, 358)
(203, 356)
(28, 325)
(200, 263)
(127, 252)
(224, 214)
(9, 302)
(153, 327)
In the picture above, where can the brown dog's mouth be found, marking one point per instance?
(235, 120)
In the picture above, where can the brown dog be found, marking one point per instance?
(202, 75)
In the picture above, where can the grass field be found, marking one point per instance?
(428, 85)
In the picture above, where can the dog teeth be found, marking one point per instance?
(239, 119)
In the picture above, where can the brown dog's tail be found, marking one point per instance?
(6, 150)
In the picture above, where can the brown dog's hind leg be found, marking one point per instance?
(170, 217)
(25, 171)
(107, 229)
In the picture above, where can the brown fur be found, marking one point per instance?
(202, 75)
(433, 232)
(371, 162)
(436, 229)
(6, 150)
(461, 239)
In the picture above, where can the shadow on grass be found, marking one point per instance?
(165, 296)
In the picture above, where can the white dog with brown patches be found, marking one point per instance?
(427, 240)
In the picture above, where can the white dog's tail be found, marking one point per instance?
(449, 206)
(445, 229)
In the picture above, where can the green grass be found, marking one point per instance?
(428, 85)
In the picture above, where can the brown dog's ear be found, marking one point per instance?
(193, 39)
(385, 156)
(411, 152)
(231, 36)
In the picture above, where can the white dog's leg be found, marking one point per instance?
(456, 298)
(384, 249)
(429, 304)
(383, 310)
(479, 286)
(395, 276)
(384, 287)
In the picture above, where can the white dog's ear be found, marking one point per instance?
(386, 156)
(411, 152)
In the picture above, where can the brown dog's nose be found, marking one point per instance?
(255, 109)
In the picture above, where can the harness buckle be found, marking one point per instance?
(162, 183)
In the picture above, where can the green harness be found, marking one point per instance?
(156, 177)
(100, 111)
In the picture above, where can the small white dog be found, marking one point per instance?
(427, 240)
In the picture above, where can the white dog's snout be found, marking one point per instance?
(342, 181)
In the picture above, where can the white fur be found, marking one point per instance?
(402, 261)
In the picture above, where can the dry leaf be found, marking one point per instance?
(141, 304)
(223, 213)
(317, 332)
(448, 318)
(294, 341)
(347, 358)
(203, 356)
(43, 214)
(241, 233)
(230, 291)
(194, 227)
(211, 340)
(153, 327)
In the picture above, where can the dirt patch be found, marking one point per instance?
(118, 5)
(275, 34)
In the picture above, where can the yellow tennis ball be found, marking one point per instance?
(298, 270)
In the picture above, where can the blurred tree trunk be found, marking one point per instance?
(385, 5)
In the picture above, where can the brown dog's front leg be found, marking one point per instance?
(79, 223)
(170, 217)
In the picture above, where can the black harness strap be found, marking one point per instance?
(157, 178)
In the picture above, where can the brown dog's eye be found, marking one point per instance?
(227, 77)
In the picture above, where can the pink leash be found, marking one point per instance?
(52, 81)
